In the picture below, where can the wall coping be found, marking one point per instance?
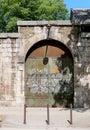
(43, 23)
(80, 16)
(9, 35)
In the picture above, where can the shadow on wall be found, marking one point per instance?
(65, 96)
(81, 76)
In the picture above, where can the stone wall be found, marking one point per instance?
(82, 71)
(14, 47)
(9, 47)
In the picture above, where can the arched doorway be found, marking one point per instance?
(49, 75)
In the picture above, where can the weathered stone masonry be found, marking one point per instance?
(14, 47)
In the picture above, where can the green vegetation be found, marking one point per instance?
(13, 10)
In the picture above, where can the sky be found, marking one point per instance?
(77, 4)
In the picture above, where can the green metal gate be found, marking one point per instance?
(42, 82)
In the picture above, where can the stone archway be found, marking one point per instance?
(53, 82)
(71, 36)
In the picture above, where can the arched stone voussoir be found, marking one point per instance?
(28, 43)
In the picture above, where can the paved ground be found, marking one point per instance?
(36, 119)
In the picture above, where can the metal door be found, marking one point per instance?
(42, 81)
(47, 84)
